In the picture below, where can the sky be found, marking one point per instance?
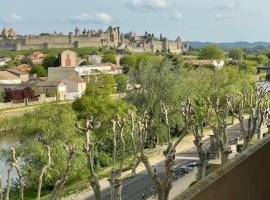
(193, 20)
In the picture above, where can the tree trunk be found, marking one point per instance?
(117, 189)
(43, 172)
(8, 183)
(59, 185)
(94, 182)
(259, 134)
(225, 156)
(21, 186)
(163, 194)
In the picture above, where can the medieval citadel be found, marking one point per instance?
(112, 37)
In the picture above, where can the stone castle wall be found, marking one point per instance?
(110, 38)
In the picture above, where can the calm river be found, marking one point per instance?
(6, 141)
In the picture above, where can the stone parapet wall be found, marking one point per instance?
(245, 178)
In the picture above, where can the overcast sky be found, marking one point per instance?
(196, 20)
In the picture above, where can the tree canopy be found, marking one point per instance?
(236, 54)
(212, 52)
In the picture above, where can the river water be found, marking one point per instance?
(7, 140)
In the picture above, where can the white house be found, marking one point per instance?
(76, 87)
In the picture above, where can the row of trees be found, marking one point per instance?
(166, 102)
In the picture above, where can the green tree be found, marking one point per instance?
(50, 61)
(121, 82)
(52, 125)
(236, 54)
(109, 58)
(262, 59)
(97, 102)
(152, 85)
(129, 62)
(39, 70)
(212, 52)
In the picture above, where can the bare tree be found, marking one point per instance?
(200, 112)
(59, 185)
(43, 171)
(163, 186)
(89, 152)
(15, 164)
(257, 105)
(220, 129)
(263, 114)
(115, 177)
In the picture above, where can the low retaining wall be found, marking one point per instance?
(40, 100)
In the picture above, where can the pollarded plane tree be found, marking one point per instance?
(221, 113)
(200, 109)
(59, 184)
(163, 186)
(256, 103)
(89, 148)
(43, 171)
(116, 177)
(15, 164)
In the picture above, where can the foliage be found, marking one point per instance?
(18, 94)
(212, 52)
(39, 70)
(236, 54)
(100, 85)
(129, 62)
(207, 83)
(52, 125)
(260, 59)
(109, 58)
(97, 102)
(50, 61)
(153, 85)
(248, 66)
(121, 82)
(104, 159)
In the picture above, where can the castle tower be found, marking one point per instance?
(178, 42)
(5, 33)
(77, 32)
(70, 37)
(165, 44)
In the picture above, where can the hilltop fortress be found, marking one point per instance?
(112, 37)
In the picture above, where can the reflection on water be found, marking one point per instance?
(6, 141)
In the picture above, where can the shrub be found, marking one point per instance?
(104, 159)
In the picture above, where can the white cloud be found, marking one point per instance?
(228, 6)
(104, 17)
(177, 16)
(84, 18)
(147, 4)
(12, 19)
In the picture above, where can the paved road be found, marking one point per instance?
(141, 184)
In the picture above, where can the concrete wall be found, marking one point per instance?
(60, 73)
(245, 178)
(41, 99)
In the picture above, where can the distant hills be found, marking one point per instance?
(244, 45)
